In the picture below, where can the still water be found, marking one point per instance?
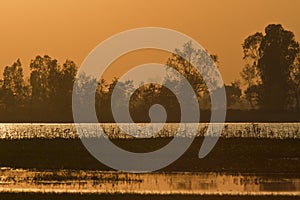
(20, 180)
(62, 181)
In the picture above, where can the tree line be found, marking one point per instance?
(271, 78)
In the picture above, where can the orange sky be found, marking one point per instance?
(72, 28)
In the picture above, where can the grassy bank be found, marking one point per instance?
(229, 155)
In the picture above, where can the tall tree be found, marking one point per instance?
(295, 82)
(65, 77)
(14, 88)
(269, 58)
(43, 78)
(277, 53)
(52, 86)
(249, 73)
(250, 77)
(182, 61)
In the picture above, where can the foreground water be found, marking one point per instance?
(20, 180)
(68, 131)
(100, 182)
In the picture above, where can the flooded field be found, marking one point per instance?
(64, 181)
(250, 159)
(68, 131)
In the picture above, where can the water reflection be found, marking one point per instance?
(19, 180)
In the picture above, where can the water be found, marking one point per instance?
(75, 181)
(68, 131)
(20, 180)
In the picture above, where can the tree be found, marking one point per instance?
(295, 82)
(14, 88)
(102, 102)
(253, 95)
(64, 78)
(46, 96)
(249, 76)
(43, 78)
(122, 91)
(267, 73)
(184, 66)
(182, 61)
(277, 53)
(249, 73)
(233, 93)
(251, 47)
(85, 87)
(52, 86)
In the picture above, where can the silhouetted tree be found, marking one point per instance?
(249, 76)
(65, 77)
(233, 93)
(185, 68)
(251, 51)
(278, 51)
(249, 73)
(102, 102)
(85, 86)
(44, 71)
(254, 95)
(51, 87)
(122, 91)
(269, 58)
(295, 81)
(142, 99)
(14, 90)
(147, 95)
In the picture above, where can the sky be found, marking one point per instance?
(72, 28)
